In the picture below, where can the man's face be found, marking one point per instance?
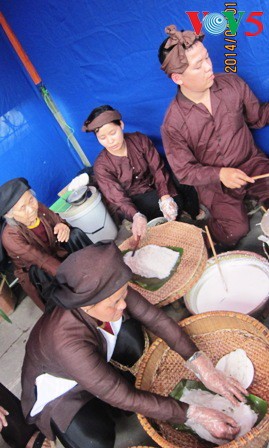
(111, 137)
(25, 210)
(110, 309)
(198, 77)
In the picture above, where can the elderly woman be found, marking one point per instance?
(132, 176)
(33, 234)
(69, 386)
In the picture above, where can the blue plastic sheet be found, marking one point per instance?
(31, 144)
(94, 52)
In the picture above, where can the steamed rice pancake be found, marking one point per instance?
(242, 414)
(152, 261)
(247, 282)
(237, 365)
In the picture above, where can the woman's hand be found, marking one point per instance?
(168, 208)
(62, 231)
(215, 422)
(216, 380)
(139, 227)
(3, 420)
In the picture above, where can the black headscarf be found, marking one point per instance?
(89, 276)
(11, 192)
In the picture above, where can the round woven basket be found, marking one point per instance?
(191, 266)
(216, 333)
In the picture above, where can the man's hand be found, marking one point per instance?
(3, 421)
(62, 231)
(234, 178)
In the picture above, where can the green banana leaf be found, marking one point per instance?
(2, 314)
(153, 284)
(257, 404)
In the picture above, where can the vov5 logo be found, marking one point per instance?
(216, 23)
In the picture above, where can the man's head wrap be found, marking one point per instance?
(176, 60)
(104, 118)
(89, 276)
(11, 192)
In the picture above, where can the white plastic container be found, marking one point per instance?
(93, 218)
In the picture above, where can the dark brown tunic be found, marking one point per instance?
(142, 170)
(25, 248)
(62, 345)
(198, 145)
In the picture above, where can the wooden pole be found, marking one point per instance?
(20, 51)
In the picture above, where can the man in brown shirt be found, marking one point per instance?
(206, 135)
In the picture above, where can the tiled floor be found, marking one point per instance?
(14, 336)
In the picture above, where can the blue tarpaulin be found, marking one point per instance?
(94, 52)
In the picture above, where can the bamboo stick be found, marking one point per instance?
(216, 258)
(261, 176)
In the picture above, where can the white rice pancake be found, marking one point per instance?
(242, 414)
(152, 261)
(237, 365)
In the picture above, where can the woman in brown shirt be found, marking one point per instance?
(71, 347)
(132, 176)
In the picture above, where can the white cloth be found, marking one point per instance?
(49, 387)
(79, 181)
(111, 339)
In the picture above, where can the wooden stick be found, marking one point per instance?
(261, 176)
(216, 257)
(136, 245)
(263, 209)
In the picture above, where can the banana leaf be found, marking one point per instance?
(257, 404)
(2, 314)
(153, 284)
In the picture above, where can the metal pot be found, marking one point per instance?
(77, 197)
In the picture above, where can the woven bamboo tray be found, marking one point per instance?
(191, 266)
(216, 333)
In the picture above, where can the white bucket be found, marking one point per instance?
(93, 218)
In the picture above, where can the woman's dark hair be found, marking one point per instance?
(98, 111)
(163, 52)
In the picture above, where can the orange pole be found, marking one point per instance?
(20, 51)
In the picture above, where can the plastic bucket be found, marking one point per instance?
(93, 218)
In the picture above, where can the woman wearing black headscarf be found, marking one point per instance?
(69, 386)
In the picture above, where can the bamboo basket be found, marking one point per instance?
(191, 266)
(216, 333)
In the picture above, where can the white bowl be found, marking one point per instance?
(157, 221)
(247, 277)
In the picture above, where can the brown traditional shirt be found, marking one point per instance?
(67, 344)
(140, 171)
(25, 248)
(198, 144)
